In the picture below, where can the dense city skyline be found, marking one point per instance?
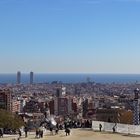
(70, 36)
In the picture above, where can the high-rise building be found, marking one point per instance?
(61, 91)
(58, 92)
(136, 120)
(18, 77)
(52, 107)
(61, 106)
(5, 99)
(31, 77)
(16, 106)
(85, 107)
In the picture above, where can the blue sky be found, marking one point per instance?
(71, 36)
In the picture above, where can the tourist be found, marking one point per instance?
(1, 133)
(113, 129)
(100, 127)
(56, 131)
(41, 133)
(19, 132)
(67, 131)
(26, 131)
(51, 130)
(37, 132)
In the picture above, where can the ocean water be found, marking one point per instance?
(72, 78)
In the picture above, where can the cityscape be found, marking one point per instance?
(77, 105)
(69, 69)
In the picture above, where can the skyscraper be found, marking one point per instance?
(85, 106)
(31, 77)
(5, 99)
(18, 77)
(136, 120)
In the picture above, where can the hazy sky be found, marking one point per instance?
(86, 36)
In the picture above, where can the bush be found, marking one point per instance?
(9, 120)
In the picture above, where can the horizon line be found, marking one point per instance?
(86, 73)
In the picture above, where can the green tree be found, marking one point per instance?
(9, 120)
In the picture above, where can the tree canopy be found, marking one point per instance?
(9, 120)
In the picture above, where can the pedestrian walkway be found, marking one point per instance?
(77, 134)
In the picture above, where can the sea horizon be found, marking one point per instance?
(71, 78)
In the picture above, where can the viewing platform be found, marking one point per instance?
(76, 134)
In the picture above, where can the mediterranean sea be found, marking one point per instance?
(72, 78)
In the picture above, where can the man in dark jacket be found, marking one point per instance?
(67, 130)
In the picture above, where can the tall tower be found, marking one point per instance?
(136, 112)
(61, 103)
(5, 99)
(18, 77)
(58, 92)
(85, 106)
(31, 77)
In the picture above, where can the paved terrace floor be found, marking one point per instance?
(77, 134)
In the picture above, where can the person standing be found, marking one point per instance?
(19, 132)
(41, 132)
(1, 133)
(56, 131)
(113, 129)
(26, 131)
(100, 127)
(37, 132)
(67, 131)
(51, 130)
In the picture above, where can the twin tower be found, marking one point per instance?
(19, 77)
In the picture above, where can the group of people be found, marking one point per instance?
(39, 132)
(67, 131)
(19, 133)
(75, 124)
(66, 126)
(113, 128)
(56, 129)
(25, 130)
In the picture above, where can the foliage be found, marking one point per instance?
(9, 120)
